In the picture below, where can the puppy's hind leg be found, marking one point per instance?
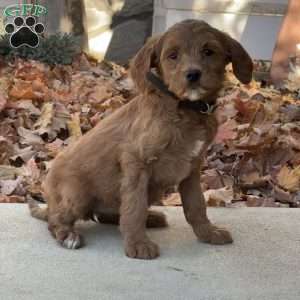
(62, 219)
(36, 211)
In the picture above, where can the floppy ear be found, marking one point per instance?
(241, 61)
(144, 60)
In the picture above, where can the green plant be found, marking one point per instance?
(54, 49)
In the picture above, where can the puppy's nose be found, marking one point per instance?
(193, 75)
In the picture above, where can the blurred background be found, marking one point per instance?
(116, 29)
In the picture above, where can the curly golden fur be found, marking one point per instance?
(126, 163)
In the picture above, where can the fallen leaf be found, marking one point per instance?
(246, 108)
(289, 179)
(3, 101)
(290, 113)
(46, 117)
(7, 187)
(226, 131)
(6, 150)
(255, 201)
(74, 126)
(9, 172)
(27, 105)
(219, 197)
(282, 196)
(31, 170)
(27, 137)
(212, 178)
(55, 147)
(61, 117)
(23, 154)
(12, 199)
(100, 94)
(172, 200)
(22, 89)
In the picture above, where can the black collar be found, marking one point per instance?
(199, 106)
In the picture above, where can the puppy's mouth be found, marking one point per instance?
(194, 94)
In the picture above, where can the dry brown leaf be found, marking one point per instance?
(22, 90)
(8, 187)
(225, 112)
(12, 199)
(61, 118)
(27, 105)
(9, 172)
(289, 179)
(282, 196)
(55, 147)
(28, 137)
(290, 113)
(30, 71)
(226, 131)
(250, 177)
(31, 170)
(6, 150)
(23, 154)
(212, 179)
(46, 116)
(3, 101)
(246, 108)
(255, 201)
(74, 126)
(172, 200)
(219, 197)
(100, 94)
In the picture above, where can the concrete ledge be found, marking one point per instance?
(263, 263)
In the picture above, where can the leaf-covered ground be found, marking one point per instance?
(254, 160)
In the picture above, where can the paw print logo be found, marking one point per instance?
(24, 32)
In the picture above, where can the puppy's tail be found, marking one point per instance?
(36, 211)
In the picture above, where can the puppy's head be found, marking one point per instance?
(191, 58)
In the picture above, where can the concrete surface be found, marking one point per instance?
(263, 263)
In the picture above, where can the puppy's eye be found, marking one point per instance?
(208, 52)
(173, 56)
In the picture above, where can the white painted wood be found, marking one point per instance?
(255, 23)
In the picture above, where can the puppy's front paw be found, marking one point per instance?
(72, 241)
(142, 249)
(212, 234)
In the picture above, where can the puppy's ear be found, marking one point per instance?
(144, 60)
(241, 61)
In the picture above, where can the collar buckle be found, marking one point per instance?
(209, 109)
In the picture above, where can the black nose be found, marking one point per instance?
(193, 75)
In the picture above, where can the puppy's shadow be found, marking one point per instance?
(97, 233)
(106, 236)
